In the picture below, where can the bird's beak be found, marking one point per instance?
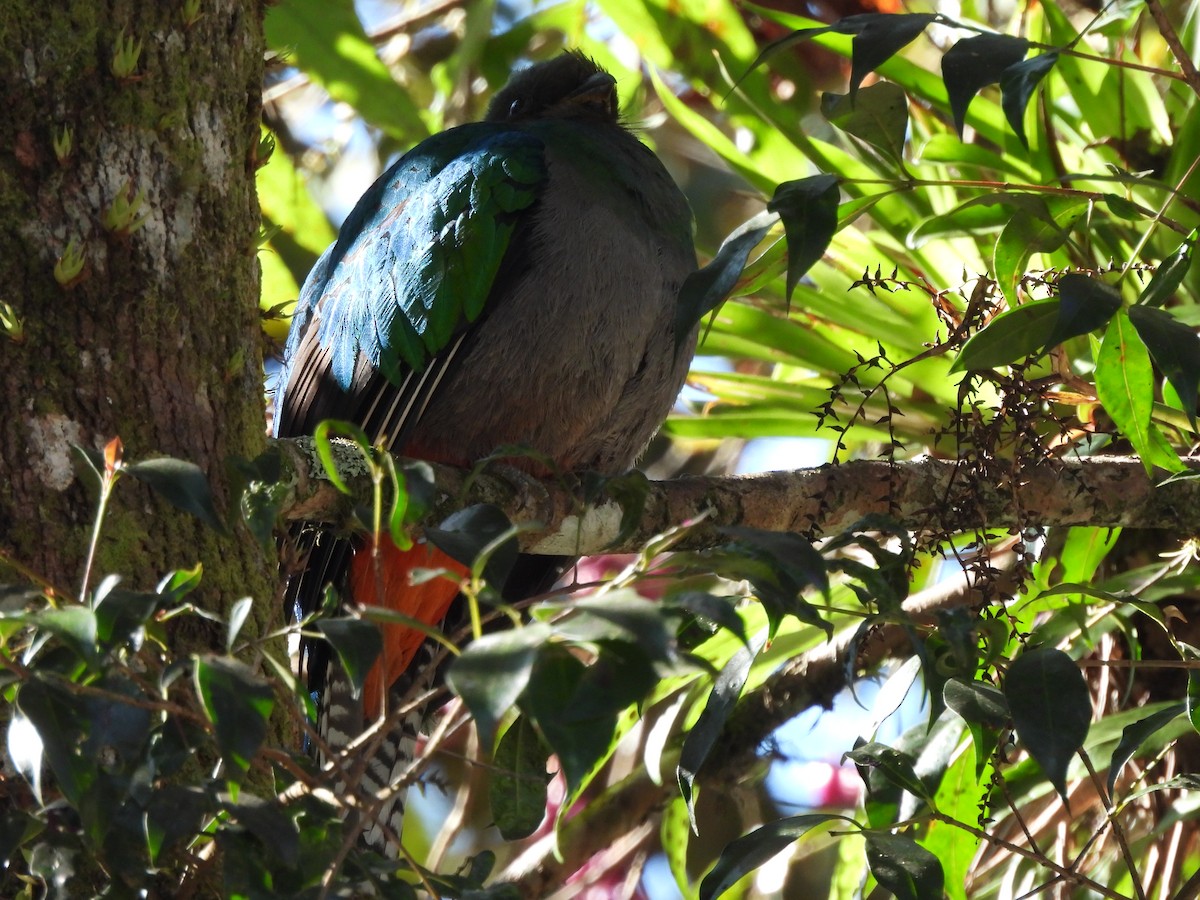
(597, 95)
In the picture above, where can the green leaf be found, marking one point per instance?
(579, 726)
(238, 703)
(327, 40)
(877, 38)
(60, 721)
(1017, 84)
(1125, 386)
(977, 701)
(904, 867)
(877, 115)
(466, 534)
(1133, 736)
(716, 608)
(76, 626)
(704, 735)
(975, 62)
(238, 613)
(747, 853)
(1175, 349)
(894, 766)
(706, 288)
(268, 821)
(1011, 336)
(517, 788)
(1051, 709)
(1084, 305)
(121, 614)
(808, 209)
(357, 645)
(493, 672)
(1192, 697)
(182, 484)
(1169, 275)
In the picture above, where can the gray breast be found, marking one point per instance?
(577, 358)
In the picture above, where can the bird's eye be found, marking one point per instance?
(516, 108)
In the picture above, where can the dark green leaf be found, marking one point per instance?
(466, 534)
(1011, 336)
(517, 789)
(60, 720)
(256, 484)
(121, 614)
(492, 673)
(706, 289)
(1192, 696)
(182, 484)
(558, 699)
(1017, 84)
(975, 62)
(719, 610)
(1085, 304)
(904, 867)
(1169, 275)
(877, 38)
(76, 626)
(808, 209)
(977, 701)
(174, 814)
(1051, 709)
(877, 115)
(747, 853)
(268, 821)
(1175, 349)
(1133, 736)
(704, 735)
(238, 703)
(357, 645)
(893, 765)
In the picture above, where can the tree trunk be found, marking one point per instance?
(128, 222)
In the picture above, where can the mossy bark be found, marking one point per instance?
(129, 137)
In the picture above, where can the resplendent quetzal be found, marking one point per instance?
(510, 281)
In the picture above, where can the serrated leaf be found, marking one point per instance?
(357, 645)
(877, 115)
(1084, 305)
(747, 853)
(493, 672)
(808, 209)
(517, 788)
(877, 38)
(1133, 736)
(706, 288)
(1125, 386)
(1051, 709)
(238, 703)
(975, 62)
(904, 867)
(704, 735)
(1017, 84)
(1175, 349)
(182, 484)
(1169, 275)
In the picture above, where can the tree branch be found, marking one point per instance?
(918, 494)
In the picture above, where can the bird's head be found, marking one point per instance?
(570, 86)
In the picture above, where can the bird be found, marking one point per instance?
(511, 281)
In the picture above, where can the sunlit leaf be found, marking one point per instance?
(877, 115)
